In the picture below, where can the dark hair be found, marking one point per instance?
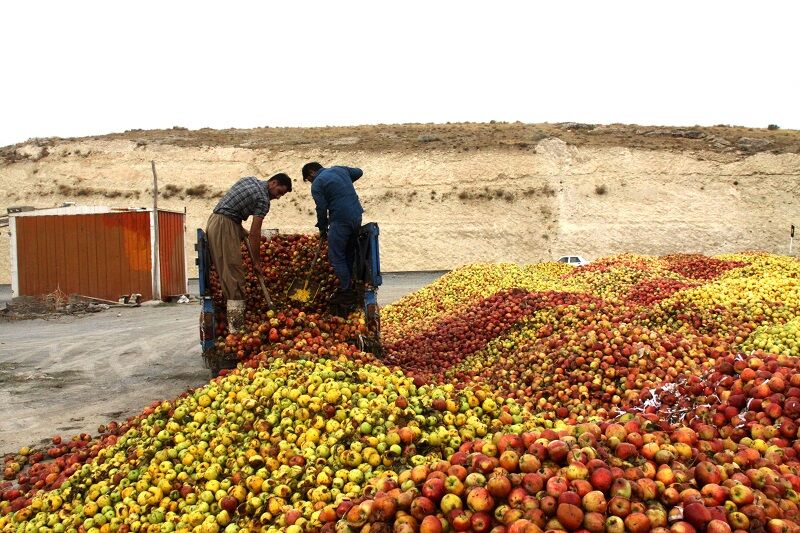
(284, 180)
(308, 168)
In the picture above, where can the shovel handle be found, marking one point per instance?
(260, 277)
(313, 264)
(316, 255)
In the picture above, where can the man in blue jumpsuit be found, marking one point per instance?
(338, 219)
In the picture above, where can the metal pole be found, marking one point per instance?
(156, 263)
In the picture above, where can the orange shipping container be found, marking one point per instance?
(97, 252)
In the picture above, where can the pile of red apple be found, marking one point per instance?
(650, 291)
(700, 267)
(46, 468)
(291, 333)
(284, 259)
(718, 469)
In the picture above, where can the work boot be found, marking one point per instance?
(346, 297)
(235, 312)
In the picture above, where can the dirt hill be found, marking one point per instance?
(450, 194)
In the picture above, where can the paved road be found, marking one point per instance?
(70, 374)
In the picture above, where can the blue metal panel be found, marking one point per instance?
(369, 240)
(207, 317)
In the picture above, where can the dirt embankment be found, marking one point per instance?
(446, 195)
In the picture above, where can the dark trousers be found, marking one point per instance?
(342, 239)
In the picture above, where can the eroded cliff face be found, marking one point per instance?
(441, 207)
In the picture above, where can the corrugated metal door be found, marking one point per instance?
(172, 261)
(100, 255)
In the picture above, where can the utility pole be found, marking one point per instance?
(156, 254)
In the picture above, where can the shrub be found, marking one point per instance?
(171, 190)
(198, 191)
(428, 137)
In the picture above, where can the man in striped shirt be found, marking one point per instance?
(248, 197)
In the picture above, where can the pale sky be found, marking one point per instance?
(89, 68)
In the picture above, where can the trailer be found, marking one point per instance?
(366, 277)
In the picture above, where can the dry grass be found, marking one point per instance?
(64, 189)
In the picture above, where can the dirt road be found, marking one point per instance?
(69, 375)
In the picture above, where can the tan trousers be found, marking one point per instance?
(225, 240)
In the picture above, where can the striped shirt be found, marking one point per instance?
(248, 196)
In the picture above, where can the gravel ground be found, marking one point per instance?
(68, 375)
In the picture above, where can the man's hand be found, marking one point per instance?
(323, 234)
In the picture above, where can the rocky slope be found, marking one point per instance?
(445, 195)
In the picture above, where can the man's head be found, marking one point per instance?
(310, 171)
(278, 185)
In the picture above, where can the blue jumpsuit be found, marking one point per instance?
(339, 212)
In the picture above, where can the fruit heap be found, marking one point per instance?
(268, 446)
(291, 333)
(695, 266)
(457, 337)
(458, 290)
(34, 469)
(571, 354)
(650, 291)
(634, 394)
(782, 338)
(284, 259)
(719, 467)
